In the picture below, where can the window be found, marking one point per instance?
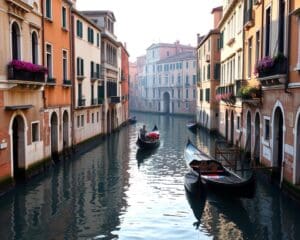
(35, 132)
(80, 67)
(249, 56)
(97, 116)
(187, 79)
(172, 93)
(98, 40)
(178, 93)
(78, 121)
(79, 28)
(217, 71)
(90, 35)
(194, 79)
(49, 59)
(187, 65)
(186, 93)
(98, 70)
(34, 48)
(194, 93)
(208, 71)
(48, 9)
(257, 47)
(207, 94)
(64, 17)
(65, 65)
(92, 94)
(267, 129)
(15, 38)
(238, 124)
(82, 120)
(92, 117)
(92, 70)
(201, 95)
(282, 23)
(268, 32)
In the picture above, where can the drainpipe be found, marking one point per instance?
(287, 80)
(286, 85)
(72, 73)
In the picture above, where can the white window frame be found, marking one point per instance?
(51, 12)
(62, 18)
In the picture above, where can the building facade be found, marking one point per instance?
(57, 59)
(22, 78)
(124, 115)
(88, 88)
(167, 79)
(231, 45)
(208, 59)
(111, 66)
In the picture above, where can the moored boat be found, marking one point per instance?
(192, 126)
(212, 175)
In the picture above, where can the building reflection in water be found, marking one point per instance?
(80, 198)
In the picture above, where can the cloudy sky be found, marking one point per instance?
(143, 22)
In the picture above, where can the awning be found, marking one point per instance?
(16, 107)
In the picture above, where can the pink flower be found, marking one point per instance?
(27, 66)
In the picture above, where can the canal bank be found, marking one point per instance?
(115, 191)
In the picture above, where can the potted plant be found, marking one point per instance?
(249, 92)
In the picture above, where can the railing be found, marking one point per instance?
(51, 81)
(23, 75)
(115, 99)
(81, 102)
(67, 82)
(95, 76)
(94, 101)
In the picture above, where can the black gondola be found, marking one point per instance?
(150, 141)
(205, 172)
(132, 120)
(192, 126)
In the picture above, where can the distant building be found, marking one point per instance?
(168, 79)
(208, 55)
(124, 111)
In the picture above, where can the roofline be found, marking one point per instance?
(101, 12)
(86, 19)
(211, 32)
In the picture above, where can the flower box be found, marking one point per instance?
(271, 66)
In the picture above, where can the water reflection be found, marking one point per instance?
(113, 191)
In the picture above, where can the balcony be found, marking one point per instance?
(67, 83)
(226, 94)
(250, 95)
(95, 76)
(94, 101)
(249, 18)
(115, 99)
(26, 73)
(100, 101)
(51, 81)
(81, 102)
(272, 71)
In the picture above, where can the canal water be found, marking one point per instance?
(115, 191)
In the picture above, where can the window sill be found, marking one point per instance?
(64, 29)
(49, 19)
(297, 68)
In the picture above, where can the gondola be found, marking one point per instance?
(132, 120)
(192, 126)
(151, 140)
(205, 172)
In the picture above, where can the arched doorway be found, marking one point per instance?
(15, 41)
(248, 135)
(54, 136)
(232, 128)
(18, 141)
(166, 99)
(226, 125)
(257, 139)
(278, 138)
(65, 130)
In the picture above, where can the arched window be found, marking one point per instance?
(34, 47)
(15, 40)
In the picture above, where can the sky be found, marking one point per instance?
(141, 23)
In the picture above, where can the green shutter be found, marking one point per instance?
(208, 71)
(217, 71)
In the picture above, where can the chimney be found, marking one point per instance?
(217, 15)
